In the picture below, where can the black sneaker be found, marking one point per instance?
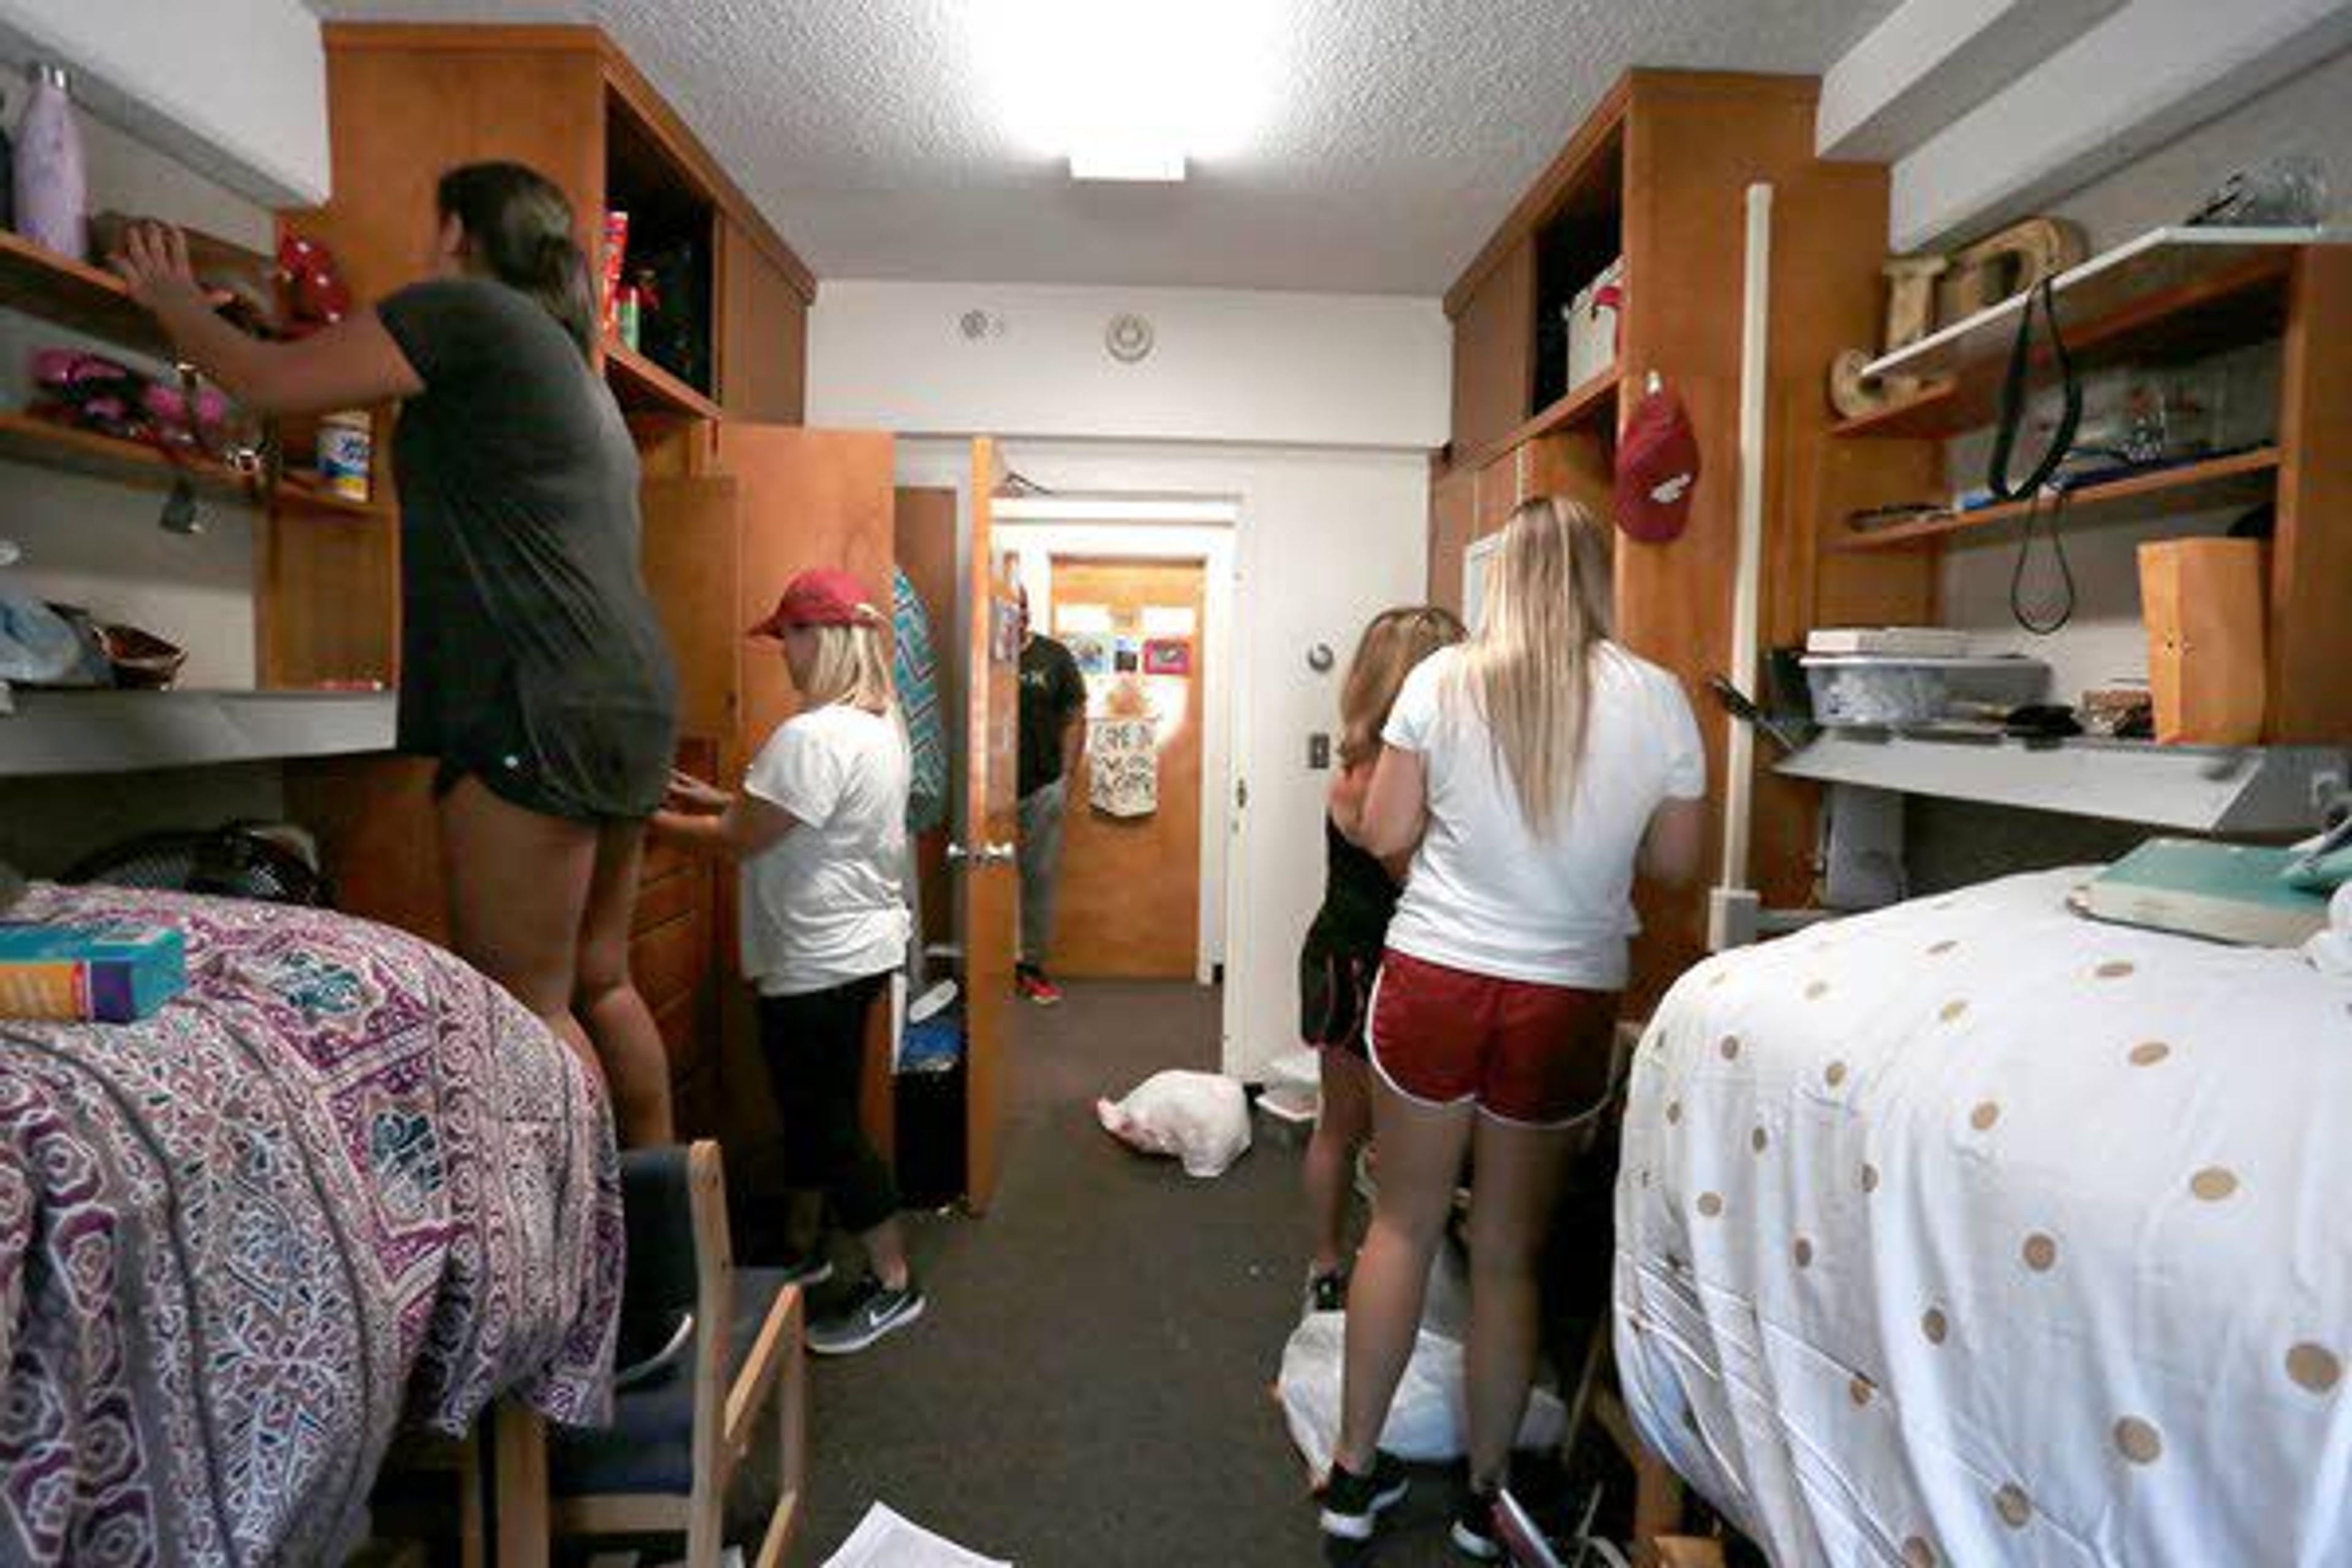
(1475, 1532)
(649, 1347)
(869, 1312)
(1326, 1292)
(812, 1268)
(1353, 1504)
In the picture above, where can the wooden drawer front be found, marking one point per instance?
(671, 961)
(663, 900)
(683, 1036)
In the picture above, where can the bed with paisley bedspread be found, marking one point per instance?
(343, 1183)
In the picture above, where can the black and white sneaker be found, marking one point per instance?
(1353, 1504)
(1475, 1533)
(811, 1267)
(871, 1312)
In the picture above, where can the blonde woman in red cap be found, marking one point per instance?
(819, 829)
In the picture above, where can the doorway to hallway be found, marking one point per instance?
(1130, 907)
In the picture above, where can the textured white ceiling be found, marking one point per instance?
(1399, 133)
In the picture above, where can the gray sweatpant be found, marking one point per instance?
(1041, 866)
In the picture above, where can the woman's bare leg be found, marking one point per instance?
(1521, 1171)
(606, 999)
(1421, 1161)
(1341, 1126)
(517, 883)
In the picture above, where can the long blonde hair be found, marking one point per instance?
(851, 664)
(1551, 598)
(1395, 642)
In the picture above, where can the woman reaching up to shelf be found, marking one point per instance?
(533, 668)
(819, 829)
(1531, 772)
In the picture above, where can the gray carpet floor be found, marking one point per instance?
(1091, 1383)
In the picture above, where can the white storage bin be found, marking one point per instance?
(1592, 325)
(1861, 691)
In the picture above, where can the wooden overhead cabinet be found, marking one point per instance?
(1658, 175)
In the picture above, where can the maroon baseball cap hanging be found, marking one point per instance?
(1657, 467)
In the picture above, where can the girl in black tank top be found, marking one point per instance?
(1340, 958)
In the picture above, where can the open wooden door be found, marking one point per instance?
(984, 850)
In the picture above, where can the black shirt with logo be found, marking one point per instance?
(1053, 693)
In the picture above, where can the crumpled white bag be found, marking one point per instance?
(2330, 951)
(1429, 1419)
(1201, 1117)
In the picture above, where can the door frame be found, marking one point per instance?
(1038, 528)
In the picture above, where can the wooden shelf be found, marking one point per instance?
(26, 439)
(1594, 403)
(42, 442)
(2173, 295)
(642, 386)
(2242, 477)
(74, 295)
(2206, 789)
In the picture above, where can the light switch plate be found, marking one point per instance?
(1318, 752)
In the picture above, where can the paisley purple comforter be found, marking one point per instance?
(343, 1180)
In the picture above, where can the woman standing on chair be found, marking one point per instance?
(1537, 767)
(820, 831)
(533, 668)
(1342, 951)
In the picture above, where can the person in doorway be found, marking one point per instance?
(533, 668)
(1343, 947)
(1053, 730)
(819, 830)
(1537, 767)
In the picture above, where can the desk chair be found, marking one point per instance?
(679, 1438)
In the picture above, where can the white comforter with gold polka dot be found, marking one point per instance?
(1973, 1232)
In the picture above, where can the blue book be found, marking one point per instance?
(105, 974)
(2226, 891)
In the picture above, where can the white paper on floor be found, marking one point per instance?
(884, 1539)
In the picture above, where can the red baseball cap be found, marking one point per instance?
(824, 596)
(1657, 469)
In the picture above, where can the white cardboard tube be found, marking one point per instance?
(1754, 357)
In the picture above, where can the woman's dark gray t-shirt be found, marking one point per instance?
(531, 656)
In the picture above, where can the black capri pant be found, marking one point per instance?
(816, 1046)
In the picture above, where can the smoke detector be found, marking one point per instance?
(1129, 338)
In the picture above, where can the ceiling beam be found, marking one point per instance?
(1931, 62)
(2149, 72)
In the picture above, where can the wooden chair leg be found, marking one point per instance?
(473, 1506)
(1657, 1507)
(792, 1442)
(518, 1462)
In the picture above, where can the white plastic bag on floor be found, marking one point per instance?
(1202, 1118)
(1428, 1421)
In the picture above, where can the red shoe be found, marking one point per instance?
(1032, 985)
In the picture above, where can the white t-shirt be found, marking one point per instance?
(824, 905)
(1488, 896)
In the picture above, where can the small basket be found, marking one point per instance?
(142, 660)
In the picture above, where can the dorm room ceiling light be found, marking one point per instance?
(1128, 89)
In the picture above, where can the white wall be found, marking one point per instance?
(1227, 365)
(237, 88)
(1327, 539)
